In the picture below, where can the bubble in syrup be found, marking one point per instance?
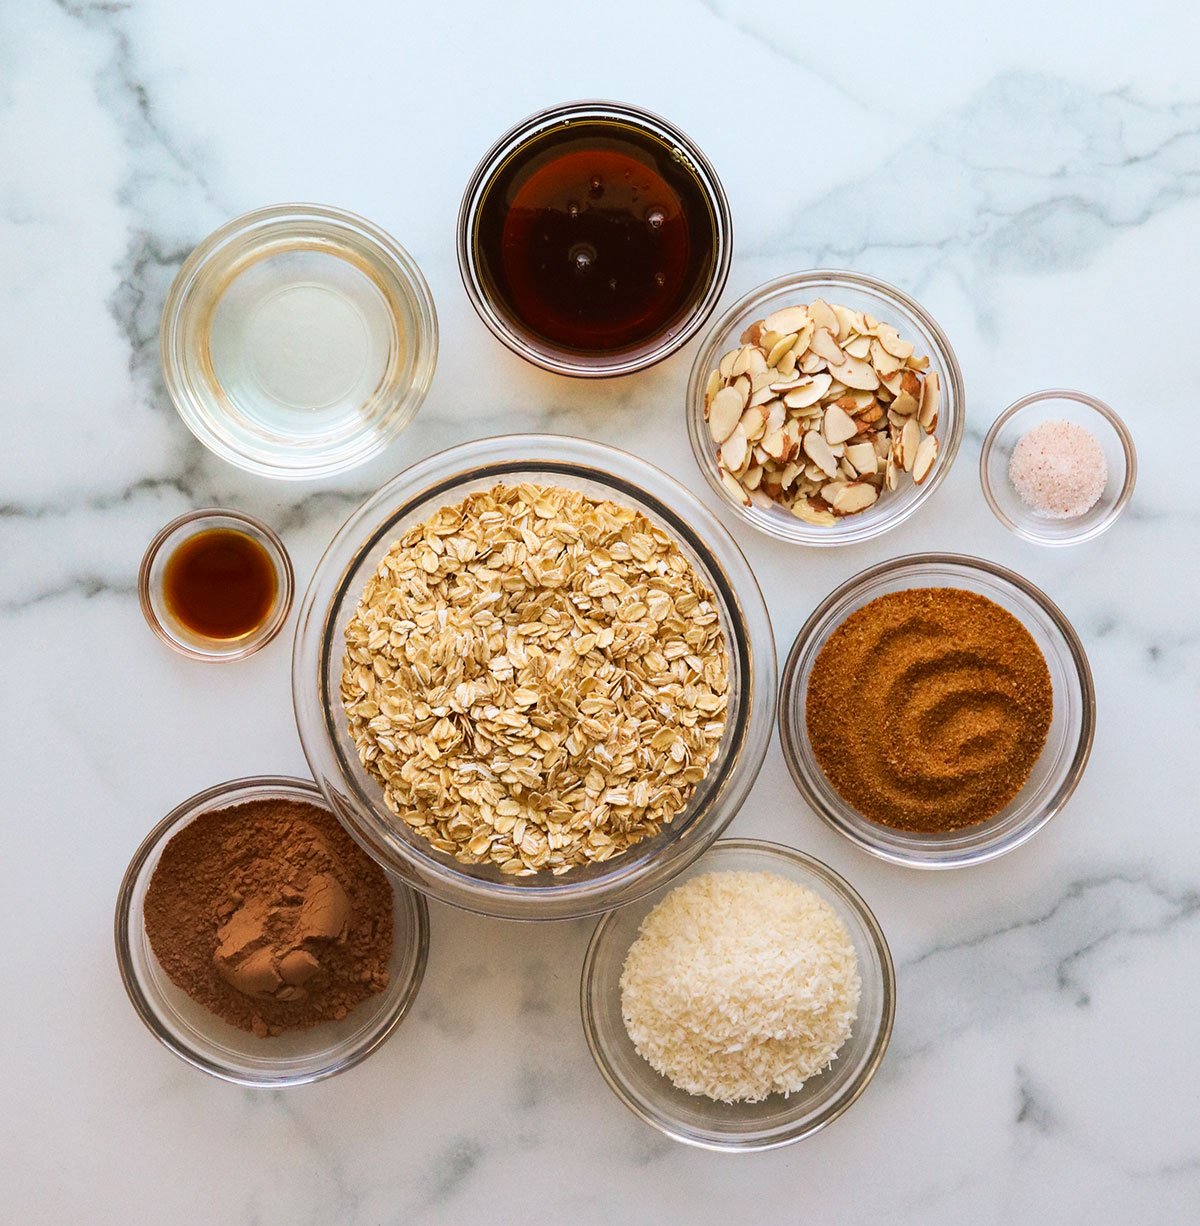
(660, 279)
(596, 187)
(612, 283)
(582, 256)
(655, 219)
(573, 209)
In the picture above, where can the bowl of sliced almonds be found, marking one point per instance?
(825, 407)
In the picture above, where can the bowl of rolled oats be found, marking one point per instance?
(825, 407)
(534, 676)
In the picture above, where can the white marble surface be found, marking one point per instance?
(1032, 175)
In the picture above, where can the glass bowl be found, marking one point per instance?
(777, 1120)
(298, 340)
(337, 586)
(1057, 404)
(524, 141)
(169, 628)
(1055, 774)
(860, 293)
(203, 1039)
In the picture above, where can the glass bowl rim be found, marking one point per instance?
(1124, 437)
(854, 1090)
(790, 736)
(281, 564)
(508, 143)
(195, 414)
(193, 806)
(801, 533)
(583, 459)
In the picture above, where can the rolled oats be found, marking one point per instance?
(538, 679)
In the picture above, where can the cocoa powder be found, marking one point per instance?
(928, 708)
(268, 914)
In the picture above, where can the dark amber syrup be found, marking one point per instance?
(596, 238)
(220, 584)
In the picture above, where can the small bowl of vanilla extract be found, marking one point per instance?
(216, 584)
(594, 239)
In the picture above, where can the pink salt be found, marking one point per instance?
(1059, 469)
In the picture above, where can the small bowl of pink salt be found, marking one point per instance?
(1058, 467)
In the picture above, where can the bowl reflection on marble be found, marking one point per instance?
(207, 1042)
(356, 795)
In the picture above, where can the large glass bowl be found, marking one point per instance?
(1057, 771)
(860, 293)
(199, 1036)
(776, 1120)
(335, 590)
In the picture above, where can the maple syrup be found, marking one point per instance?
(220, 584)
(596, 237)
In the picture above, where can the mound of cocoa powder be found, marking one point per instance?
(268, 914)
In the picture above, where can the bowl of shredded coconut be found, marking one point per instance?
(1058, 467)
(746, 1005)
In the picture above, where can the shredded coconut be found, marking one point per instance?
(740, 985)
(1059, 469)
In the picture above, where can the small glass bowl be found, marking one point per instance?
(203, 1039)
(337, 586)
(298, 340)
(861, 293)
(178, 636)
(1057, 771)
(777, 1120)
(544, 353)
(1057, 404)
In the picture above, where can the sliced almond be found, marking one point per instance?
(891, 477)
(812, 362)
(764, 395)
(804, 338)
(753, 334)
(890, 339)
(752, 477)
(854, 372)
(754, 422)
(803, 509)
(910, 438)
(858, 347)
(848, 321)
(789, 319)
(826, 347)
(904, 405)
(838, 425)
(725, 366)
(776, 415)
(918, 363)
(712, 387)
(807, 393)
(734, 488)
(911, 384)
(893, 383)
(863, 456)
(735, 450)
(884, 362)
(781, 346)
(786, 366)
(818, 450)
(926, 455)
(856, 496)
(775, 444)
(931, 391)
(724, 414)
(821, 313)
